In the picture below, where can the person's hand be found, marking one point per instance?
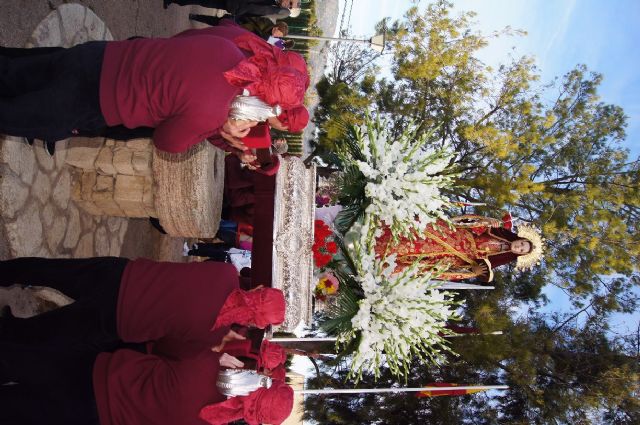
(247, 157)
(238, 128)
(230, 336)
(480, 269)
(230, 361)
(232, 140)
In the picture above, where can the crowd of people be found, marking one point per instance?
(148, 342)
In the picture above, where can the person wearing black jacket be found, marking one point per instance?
(278, 9)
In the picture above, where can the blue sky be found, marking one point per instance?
(602, 34)
(560, 34)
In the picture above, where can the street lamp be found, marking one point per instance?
(376, 42)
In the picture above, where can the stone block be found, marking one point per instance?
(13, 193)
(129, 189)
(88, 180)
(103, 198)
(122, 161)
(147, 197)
(109, 142)
(82, 152)
(73, 227)
(47, 214)
(133, 209)
(76, 189)
(104, 183)
(90, 208)
(61, 189)
(141, 162)
(41, 188)
(24, 234)
(104, 162)
(105, 202)
(140, 145)
(19, 157)
(84, 249)
(45, 160)
(55, 233)
(61, 153)
(101, 242)
(129, 194)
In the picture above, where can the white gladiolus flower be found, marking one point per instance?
(403, 178)
(401, 315)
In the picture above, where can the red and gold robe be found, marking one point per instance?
(468, 248)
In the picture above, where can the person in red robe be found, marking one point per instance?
(128, 387)
(177, 306)
(61, 364)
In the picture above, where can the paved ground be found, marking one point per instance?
(124, 18)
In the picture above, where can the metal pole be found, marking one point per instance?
(283, 339)
(401, 390)
(456, 335)
(333, 339)
(313, 37)
(458, 285)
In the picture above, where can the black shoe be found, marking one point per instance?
(28, 141)
(166, 3)
(156, 223)
(5, 312)
(50, 147)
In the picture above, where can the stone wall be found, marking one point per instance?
(111, 177)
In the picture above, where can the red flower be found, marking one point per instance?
(332, 247)
(322, 231)
(321, 259)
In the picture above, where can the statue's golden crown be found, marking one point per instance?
(533, 257)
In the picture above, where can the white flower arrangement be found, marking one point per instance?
(383, 317)
(404, 177)
(401, 315)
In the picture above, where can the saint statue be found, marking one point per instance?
(470, 246)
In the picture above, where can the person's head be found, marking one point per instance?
(295, 119)
(281, 29)
(290, 4)
(295, 12)
(279, 373)
(259, 307)
(271, 405)
(280, 146)
(297, 62)
(521, 246)
(273, 76)
(272, 355)
(270, 307)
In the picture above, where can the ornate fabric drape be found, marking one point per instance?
(468, 248)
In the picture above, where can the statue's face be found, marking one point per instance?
(520, 246)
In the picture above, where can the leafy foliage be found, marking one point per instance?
(552, 154)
